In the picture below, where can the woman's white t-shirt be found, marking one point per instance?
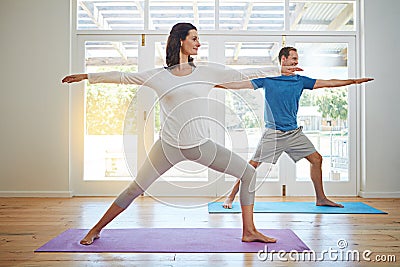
(184, 100)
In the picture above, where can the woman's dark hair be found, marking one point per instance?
(177, 34)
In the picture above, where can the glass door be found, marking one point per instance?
(243, 112)
(105, 116)
(328, 115)
(120, 123)
(185, 178)
(114, 126)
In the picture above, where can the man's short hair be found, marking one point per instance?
(285, 52)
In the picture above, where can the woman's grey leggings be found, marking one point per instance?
(163, 156)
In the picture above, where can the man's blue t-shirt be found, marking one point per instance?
(282, 95)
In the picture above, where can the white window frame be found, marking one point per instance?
(77, 94)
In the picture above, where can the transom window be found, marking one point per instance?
(237, 15)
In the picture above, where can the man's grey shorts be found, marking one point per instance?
(273, 142)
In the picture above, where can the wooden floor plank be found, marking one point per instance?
(28, 223)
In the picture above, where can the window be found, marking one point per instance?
(252, 15)
(232, 32)
(110, 15)
(226, 15)
(164, 13)
(322, 15)
(110, 112)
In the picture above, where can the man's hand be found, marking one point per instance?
(362, 80)
(289, 70)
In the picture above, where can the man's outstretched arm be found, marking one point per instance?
(338, 83)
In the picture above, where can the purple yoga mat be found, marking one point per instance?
(173, 240)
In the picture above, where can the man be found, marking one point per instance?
(282, 95)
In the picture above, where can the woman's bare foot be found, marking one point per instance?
(256, 236)
(228, 203)
(90, 237)
(327, 202)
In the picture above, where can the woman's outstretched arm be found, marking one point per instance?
(138, 78)
(236, 85)
(225, 75)
(252, 73)
(246, 84)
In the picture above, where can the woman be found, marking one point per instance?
(182, 89)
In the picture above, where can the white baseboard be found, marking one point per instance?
(35, 194)
(379, 194)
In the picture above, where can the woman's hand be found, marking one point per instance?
(289, 70)
(74, 78)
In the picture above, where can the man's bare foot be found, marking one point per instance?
(327, 202)
(257, 237)
(90, 237)
(228, 203)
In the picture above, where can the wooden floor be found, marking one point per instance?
(28, 223)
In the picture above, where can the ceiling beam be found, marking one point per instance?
(344, 16)
(340, 20)
(298, 13)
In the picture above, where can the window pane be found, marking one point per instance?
(323, 113)
(110, 113)
(322, 16)
(110, 15)
(244, 109)
(164, 14)
(257, 15)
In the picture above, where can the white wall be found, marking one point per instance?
(34, 56)
(381, 176)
